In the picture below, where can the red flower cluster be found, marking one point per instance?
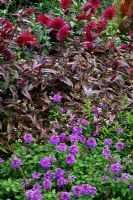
(63, 33)
(65, 4)
(26, 39)
(43, 19)
(6, 29)
(57, 23)
(109, 13)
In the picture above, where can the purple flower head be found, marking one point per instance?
(70, 159)
(74, 138)
(91, 143)
(77, 130)
(108, 142)
(125, 176)
(103, 105)
(47, 184)
(36, 187)
(64, 196)
(77, 190)
(104, 177)
(54, 139)
(36, 175)
(106, 153)
(73, 149)
(28, 138)
(45, 163)
(62, 137)
(34, 193)
(1, 161)
(57, 98)
(119, 131)
(131, 187)
(82, 139)
(116, 168)
(62, 147)
(16, 163)
(73, 122)
(48, 175)
(59, 173)
(82, 121)
(88, 189)
(97, 112)
(120, 146)
(61, 181)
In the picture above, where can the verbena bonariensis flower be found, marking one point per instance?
(74, 149)
(62, 137)
(36, 175)
(26, 39)
(28, 138)
(77, 130)
(57, 23)
(74, 138)
(77, 190)
(59, 173)
(106, 153)
(43, 19)
(54, 140)
(62, 147)
(116, 168)
(70, 159)
(109, 13)
(45, 163)
(47, 184)
(1, 161)
(48, 175)
(108, 142)
(61, 181)
(125, 176)
(119, 130)
(16, 163)
(63, 33)
(64, 196)
(65, 4)
(88, 189)
(120, 146)
(57, 98)
(91, 143)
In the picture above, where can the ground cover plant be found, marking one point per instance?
(66, 101)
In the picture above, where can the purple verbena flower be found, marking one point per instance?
(62, 147)
(45, 163)
(77, 190)
(33, 194)
(1, 161)
(47, 184)
(88, 189)
(36, 187)
(63, 110)
(48, 175)
(91, 143)
(62, 137)
(120, 146)
(77, 130)
(59, 173)
(131, 187)
(82, 121)
(119, 130)
(61, 181)
(64, 196)
(95, 133)
(28, 138)
(108, 142)
(106, 153)
(54, 139)
(57, 98)
(16, 163)
(73, 149)
(74, 138)
(116, 168)
(82, 139)
(104, 177)
(125, 176)
(70, 159)
(97, 112)
(36, 175)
